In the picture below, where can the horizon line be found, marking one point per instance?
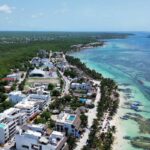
(67, 31)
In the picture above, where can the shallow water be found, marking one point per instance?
(127, 61)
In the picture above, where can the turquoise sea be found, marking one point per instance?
(127, 61)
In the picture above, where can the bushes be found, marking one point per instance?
(51, 87)
(84, 120)
(45, 118)
(70, 73)
(76, 62)
(56, 93)
(71, 142)
(5, 105)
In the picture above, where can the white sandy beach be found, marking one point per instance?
(118, 142)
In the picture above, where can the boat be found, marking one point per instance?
(134, 107)
(125, 117)
(127, 137)
(137, 103)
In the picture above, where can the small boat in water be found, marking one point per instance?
(134, 107)
(125, 117)
(127, 137)
(137, 103)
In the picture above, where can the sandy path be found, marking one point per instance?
(91, 116)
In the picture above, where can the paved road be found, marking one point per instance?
(67, 84)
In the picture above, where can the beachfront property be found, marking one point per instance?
(38, 138)
(31, 108)
(68, 123)
(88, 102)
(16, 96)
(81, 86)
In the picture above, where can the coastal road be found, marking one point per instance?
(67, 84)
(91, 114)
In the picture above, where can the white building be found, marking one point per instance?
(42, 62)
(15, 114)
(81, 86)
(32, 139)
(36, 127)
(31, 108)
(7, 129)
(16, 96)
(41, 96)
(9, 119)
(68, 123)
(37, 73)
(15, 76)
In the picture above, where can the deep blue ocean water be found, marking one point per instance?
(127, 61)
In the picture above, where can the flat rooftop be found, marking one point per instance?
(66, 118)
(26, 104)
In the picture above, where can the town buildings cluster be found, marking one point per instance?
(17, 122)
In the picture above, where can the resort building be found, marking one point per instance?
(7, 130)
(15, 114)
(68, 123)
(81, 86)
(16, 96)
(40, 96)
(36, 127)
(31, 108)
(36, 137)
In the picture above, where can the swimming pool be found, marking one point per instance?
(71, 118)
(2, 125)
(83, 100)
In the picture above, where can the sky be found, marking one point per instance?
(75, 15)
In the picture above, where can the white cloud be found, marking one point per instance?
(6, 9)
(39, 15)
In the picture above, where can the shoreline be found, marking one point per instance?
(87, 46)
(116, 118)
(118, 135)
